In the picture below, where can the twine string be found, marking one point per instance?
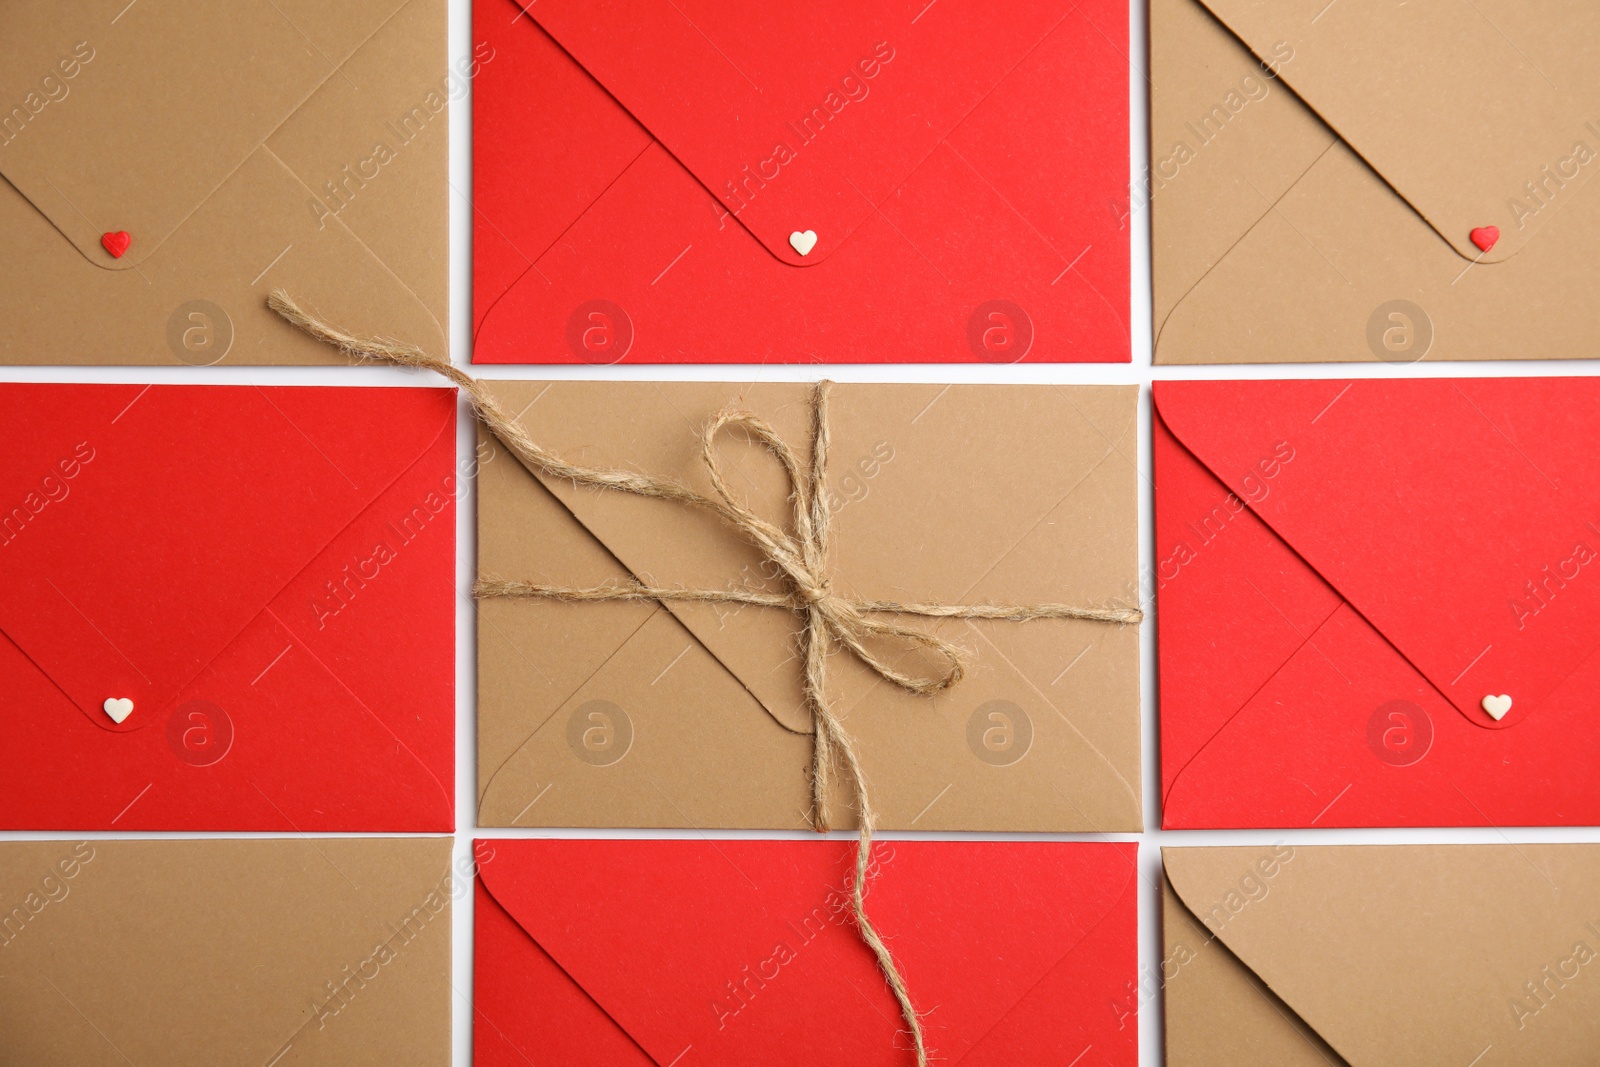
(801, 556)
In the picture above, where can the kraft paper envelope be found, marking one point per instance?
(201, 953)
(290, 144)
(631, 714)
(1356, 181)
(1382, 956)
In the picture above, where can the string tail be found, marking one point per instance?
(886, 964)
(869, 934)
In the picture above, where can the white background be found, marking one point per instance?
(1140, 371)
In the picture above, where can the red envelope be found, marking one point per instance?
(676, 953)
(1355, 578)
(266, 574)
(702, 181)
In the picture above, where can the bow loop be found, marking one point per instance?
(791, 553)
(801, 555)
(853, 629)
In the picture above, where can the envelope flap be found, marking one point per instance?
(125, 118)
(1458, 516)
(933, 487)
(1444, 102)
(781, 955)
(655, 428)
(144, 527)
(1413, 953)
(798, 118)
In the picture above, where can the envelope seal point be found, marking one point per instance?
(116, 243)
(119, 708)
(1485, 237)
(1497, 706)
(803, 242)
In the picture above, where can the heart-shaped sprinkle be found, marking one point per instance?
(116, 243)
(119, 708)
(1485, 237)
(1497, 706)
(803, 242)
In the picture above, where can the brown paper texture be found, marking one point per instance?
(1317, 171)
(292, 145)
(202, 952)
(1382, 955)
(641, 715)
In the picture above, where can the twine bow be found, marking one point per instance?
(801, 556)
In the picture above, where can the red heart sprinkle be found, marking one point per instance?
(1485, 237)
(116, 243)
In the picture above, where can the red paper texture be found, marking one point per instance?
(1345, 570)
(640, 169)
(742, 952)
(267, 573)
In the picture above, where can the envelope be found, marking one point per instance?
(1361, 956)
(881, 182)
(227, 608)
(165, 167)
(633, 714)
(1361, 182)
(1376, 605)
(286, 952)
(572, 938)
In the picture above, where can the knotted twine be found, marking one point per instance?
(802, 557)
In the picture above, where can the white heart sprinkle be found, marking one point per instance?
(118, 709)
(1497, 706)
(803, 242)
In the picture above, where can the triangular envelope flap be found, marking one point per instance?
(1450, 101)
(1458, 516)
(932, 487)
(778, 956)
(655, 428)
(146, 526)
(798, 118)
(1414, 953)
(124, 119)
